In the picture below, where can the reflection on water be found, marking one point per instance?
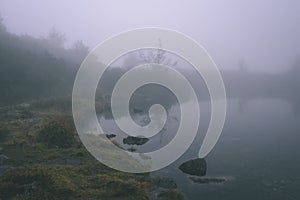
(256, 156)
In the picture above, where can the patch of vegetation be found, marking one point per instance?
(56, 135)
(43, 160)
(4, 133)
(170, 194)
(58, 103)
(67, 182)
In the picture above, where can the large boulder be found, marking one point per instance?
(196, 167)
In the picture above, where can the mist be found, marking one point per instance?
(263, 34)
(43, 154)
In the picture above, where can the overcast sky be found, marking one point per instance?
(264, 33)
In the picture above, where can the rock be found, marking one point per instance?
(137, 110)
(25, 105)
(25, 114)
(130, 140)
(131, 149)
(195, 167)
(109, 136)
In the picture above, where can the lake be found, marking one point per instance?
(257, 154)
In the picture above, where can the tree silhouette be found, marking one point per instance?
(2, 26)
(80, 48)
(55, 38)
(157, 56)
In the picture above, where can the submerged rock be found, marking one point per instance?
(195, 167)
(137, 110)
(131, 149)
(208, 180)
(24, 105)
(130, 140)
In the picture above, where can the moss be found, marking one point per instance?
(55, 134)
(170, 194)
(4, 133)
(67, 182)
(46, 162)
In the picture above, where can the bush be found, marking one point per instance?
(170, 194)
(37, 182)
(56, 135)
(4, 132)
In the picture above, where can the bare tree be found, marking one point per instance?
(55, 38)
(157, 56)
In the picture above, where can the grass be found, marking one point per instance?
(41, 168)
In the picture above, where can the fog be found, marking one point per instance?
(265, 35)
(255, 44)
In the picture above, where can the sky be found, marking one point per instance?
(265, 34)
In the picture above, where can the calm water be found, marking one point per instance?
(257, 153)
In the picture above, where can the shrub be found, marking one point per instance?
(4, 132)
(170, 194)
(56, 135)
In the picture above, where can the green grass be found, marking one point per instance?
(41, 168)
